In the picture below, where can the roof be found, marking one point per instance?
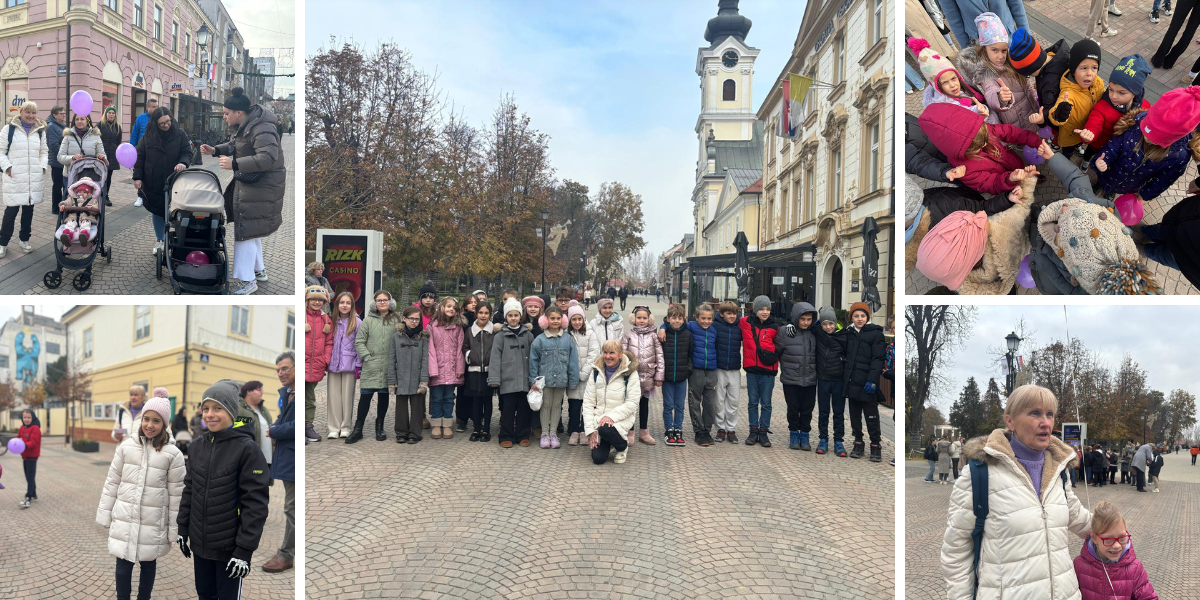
(727, 23)
(755, 188)
(740, 154)
(744, 178)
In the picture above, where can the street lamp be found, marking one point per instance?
(545, 219)
(1014, 343)
(202, 38)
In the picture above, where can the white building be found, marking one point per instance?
(28, 344)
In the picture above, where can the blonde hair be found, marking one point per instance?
(351, 319)
(29, 105)
(612, 346)
(980, 143)
(704, 308)
(1104, 516)
(1027, 396)
(139, 389)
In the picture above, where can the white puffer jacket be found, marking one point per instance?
(28, 158)
(615, 399)
(605, 329)
(91, 145)
(1028, 542)
(141, 499)
(589, 351)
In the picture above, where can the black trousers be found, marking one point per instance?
(830, 397)
(30, 477)
(410, 409)
(364, 407)
(58, 189)
(1169, 50)
(1193, 460)
(1112, 474)
(575, 415)
(10, 219)
(481, 412)
(643, 411)
(514, 417)
(462, 406)
(610, 439)
(1125, 475)
(869, 409)
(1141, 479)
(125, 579)
(954, 463)
(211, 581)
(108, 183)
(801, 399)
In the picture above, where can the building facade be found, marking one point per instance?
(266, 66)
(820, 187)
(227, 49)
(28, 344)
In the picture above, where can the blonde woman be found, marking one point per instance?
(24, 156)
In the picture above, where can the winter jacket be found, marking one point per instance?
(612, 328)
(111, 137)
(257, 207)
(934, 95)
(283, 437)
(477, 356)
(344, 357)
(139, 128)
(248, 413)
(1100, 580)
(765, 333)
(140, 501)
(864, 360)
(943, 460)
(318, 345)
(409, 360)
(157, 156)
(587, 349)
(1128, 170)
(704, 346)
(32, 436)
(91, 145)
(556, 358)
(649, 353)
(955, 449)
(1155, 464)
(960, 16)
(617, 398)
(677, 352)
(985, 79)
(729, 344)
(447, 364)
(1027, 539)
(1082, 100)
(1180, 229)
(126, 419)
(1102, 119)
(54, 135)
(797, 348)
(373, 342)
(224, 502)
(26, 156)
(831, 353)
(952, 131)
(1099, 460)
(510, 360)
(921, 157)
(1058, 59)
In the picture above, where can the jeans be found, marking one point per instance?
(288, 550)
(10, 218)
(758, 390)
(800, 402)
(1159, 252)
(610, 438)
(912, 79)
(674, 398)
(211, 581)
(830, 395)
(125, 579)
(1072, 472)
(932, 467)
(160, 226)
(364, 406)
(441, 402)
(1087, 474)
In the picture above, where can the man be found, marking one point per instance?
(128, 413)
(283, 465)
(139, 126)
(1141, 464)
(54, 136)
(624, 294)
(252, 407)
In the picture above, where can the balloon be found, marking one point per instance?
(1031, 156)
(1130, 209)
(16, 446)
(81, 103)
(197, 257)
(127, 155)
(1045, 133)
(1024, 277)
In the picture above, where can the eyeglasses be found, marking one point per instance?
(382, 301)
(1121, 539)
(283, 369)
(416, 319)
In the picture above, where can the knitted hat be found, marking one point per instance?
(428, 289)
(237, 101)
(932, 64)
(315, 292)
(1082, 50)
(511, 305)
(527, 300)
(914, 196)
(860, 306)
(160, 403)
(110, 107)
(1175, 115)
(950, 250)
(576, 310)
(224, 392)
(84, 182)
(478, 292)
(1095, 247)
(991, 29)
(1130, 73)
(761, 302)
(827, 314)
(604, 302)
(1024, 52)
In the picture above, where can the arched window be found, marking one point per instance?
(728, 90)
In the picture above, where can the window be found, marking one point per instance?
(289, 340)
(728, 90)
(812, 194)
(239, 321)
(138, 13)
(877, 22)
(109, 92)
(3, 361)
(839, 59)
(112, 4)
(187, 46)
(87, 343)
(873, 140)
(53, 348)
(174, 36)
(158, 23)
(141, 323)
(12, 3)
(835, 178)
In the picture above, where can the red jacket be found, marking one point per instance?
(32, 436)
(753, 329)
(318, 345)
(1101, 121)
(953, 128)
(1129, 579)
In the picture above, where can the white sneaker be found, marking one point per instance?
(158, 248)
(620, 457)
(1167, 11)
(345, 433)
(24, 503)
(1108, 33)
(242, 288)
(138, 202)
(1116, 12)
(261, 275)
(3, 251)
(1155, 490)
(25, 247)
(332, 435)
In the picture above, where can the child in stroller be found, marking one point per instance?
(81, 206)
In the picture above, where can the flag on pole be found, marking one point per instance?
(212, 72)
(799, 85)
(789, 115)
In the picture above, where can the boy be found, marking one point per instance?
(865, 348)
(729, 371)
(677, 368)
(224, 502)
(760, 361)
(831, 362)
(797, 351)
(498, 318)
(702, 385)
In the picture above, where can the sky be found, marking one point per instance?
(1111, 331)
(614, 84)
(9, 311)
(268, 24)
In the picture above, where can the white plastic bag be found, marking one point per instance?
(535, 394)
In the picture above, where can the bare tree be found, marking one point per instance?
(932, 332)
(74, 388)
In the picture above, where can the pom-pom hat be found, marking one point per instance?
(1024, 53)
(1175, 115)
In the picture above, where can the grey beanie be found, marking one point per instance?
(224, 392)
(913, 196)
(761, 302)
(827, 314)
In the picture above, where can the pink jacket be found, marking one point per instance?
(952, 128)
(318, 345)
(1129, 579)
(648, 350)
(447, 363)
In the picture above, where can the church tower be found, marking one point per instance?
(726, 70)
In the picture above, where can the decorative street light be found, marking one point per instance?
(545, 219)
(1014, 343)
(202, 39)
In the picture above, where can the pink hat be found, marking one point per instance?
(950, 250)
(160, 405)
(160, 392)
(527, 300)
(1175, 115)
(576, 310)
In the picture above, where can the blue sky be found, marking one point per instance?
(612, 83)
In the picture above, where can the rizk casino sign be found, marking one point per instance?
(345, 259)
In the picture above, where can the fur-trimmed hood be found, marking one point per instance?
(402, 329)
(69, 131)
(989, 448)
(629, 364)
(38, 124)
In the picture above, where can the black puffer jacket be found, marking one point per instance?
(224, 501)
(1048, 80)
(157, 154)
(797, 348)
(1181, 233)
(921, 157)
(865, 351)
(677, 354)
(111, 138)
(831, 354)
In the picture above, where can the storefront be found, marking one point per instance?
(785, 276)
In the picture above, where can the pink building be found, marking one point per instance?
(122, 52)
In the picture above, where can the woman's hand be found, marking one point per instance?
(226, 162)
(206, 150)
(179, 167)
(137, 184)
(77, 157)
(593, 440)
(102, 158)
(605, 421)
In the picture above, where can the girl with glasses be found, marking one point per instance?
(1106, 566)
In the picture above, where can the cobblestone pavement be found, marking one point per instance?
(455, 519)
(55, 549)
(1165, 526)
(131, 236)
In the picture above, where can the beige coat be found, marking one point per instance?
(141, 499)
(617, 399)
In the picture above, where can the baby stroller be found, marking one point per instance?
(194, 251)
(76, 256)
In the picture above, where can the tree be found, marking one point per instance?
(74, 388)
(55, 371)
(933, 416)
(8, 398)
(932, 333)
(1182, 413)
(967, 413)
(34, 395)
(616, 215)
(993, 410)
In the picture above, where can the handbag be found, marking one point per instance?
(242, 176)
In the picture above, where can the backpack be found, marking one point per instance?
(766, 359)
(13, 130)
(979, 502)
(596, 374)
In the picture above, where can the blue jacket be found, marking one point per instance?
(704, 346)
(960, 15)
(54, 135)
(555, 358)
(1129, 172)
(283, 433)
(139, 128)
(729, 345)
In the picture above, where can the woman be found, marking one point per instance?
(24, 163)
(610, 402)
(955, 454)
(1034, 522)
(343, 365)
(373, 342)
(180, 422)
(314, 275)
(931, 458)
(254, 199)
(943, 464)
(110, 135)
(81, 139)
(163, 149)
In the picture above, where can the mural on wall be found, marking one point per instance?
(27, 359)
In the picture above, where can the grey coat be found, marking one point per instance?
(373, 342)
(555, 358)
(797, 349)
(509, 366)
(1142, 458)
(257, 209)
(943, 464)
(408, 361)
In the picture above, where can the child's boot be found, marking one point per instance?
(876, 453)
(839, 449)
(731, 436)
(794, 440)
(435, 430)
(645, 437)
(753, 437)
(822, 446)
(857, 451)
(804, 442)
(64, 237)
(379, 434)
(83, 236)
(574, 440)
(632, 436)
(447, 428)
(763, 440)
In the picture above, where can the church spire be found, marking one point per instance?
(727, 23)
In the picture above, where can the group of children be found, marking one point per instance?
(1004, 109)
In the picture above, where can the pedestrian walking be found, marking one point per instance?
(931, 457)
(1195, 451)
(447, 366)
(643, 342)
(1111, 458)
(610, 403)
(373, 342)
(509, 373)
(943, 463)
(164, 149)
(624, 293)
(344, 366)
(80, 140)
(111, 135)
(283, 460)
(1126, 458)
(23, 163)
(30, 433)
(408, 359)
(318, 349)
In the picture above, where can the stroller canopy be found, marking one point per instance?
(197, 192)
(88, 167)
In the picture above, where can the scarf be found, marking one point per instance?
(80, 132)
(1032, 460)
(613, 317)
(643, 330)
(28, 126)
(413, 332)
(610, 371)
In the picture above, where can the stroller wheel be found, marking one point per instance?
(82, 281)
(52, 279)
(108, 254)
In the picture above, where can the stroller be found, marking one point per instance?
(76, 256)
(194, 252)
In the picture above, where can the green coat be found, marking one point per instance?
(373, 341)
(244, 410)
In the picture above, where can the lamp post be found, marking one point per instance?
(202, 39)
(545, 219)
(1014, 342)
(583, 270)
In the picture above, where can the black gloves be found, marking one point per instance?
(1062, 111)
(183, 545)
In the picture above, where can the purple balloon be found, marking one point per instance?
(1024, 277)
(81, 103)
(16, 446)
(126, 155)
(1045, 132)
(1031, 156)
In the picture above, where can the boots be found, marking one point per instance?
(822, 446)
(876, 453)
(632, 437)
(425, 423)
(447, 428)
(355, 435)
(644, 436)
(839, 449)
(857, 452)
(794, 440)
(379, 434)
(753, 437)
(435, 432)
(804, 442)
(763, 440)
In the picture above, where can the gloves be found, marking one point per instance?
(183, 546)
(1062, 111)
(790, 330)
(237, 568)
(869, 387)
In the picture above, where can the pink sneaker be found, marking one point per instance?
(554, 443)
(545, 440)
(574, 441)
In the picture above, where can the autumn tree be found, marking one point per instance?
(617, 224)
(1182, 413)
(932, 333)
(933, 417)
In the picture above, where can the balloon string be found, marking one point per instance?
(1086, 493)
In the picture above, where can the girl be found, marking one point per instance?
(1126, 86)
(372, 342)
(509, 372)
(677, 368)
(477, 348)
(141, 498)
(555, 357)
(408, 363)
(946, 85)
(1079, 89)
(966, 140)
(1107, 567)
(607, 324)
(1150, 149)
(427, 303)
(760, 363)
(30, 433)
(588, 350)
(1012, 97)
(643, 342)
(446, 366)
(344, 365)
(534, 306)
(318, 349)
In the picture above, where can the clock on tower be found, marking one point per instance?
(729, 59)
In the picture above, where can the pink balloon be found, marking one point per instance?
(197, 257)
(1031, 156)
(81, 103)
(1024, 277)
(16, 446)
(1130, 209)
(127, 155)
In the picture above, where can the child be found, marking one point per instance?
(677, 368)
(702, 385)
(946, 85)
(509, 371)
(477, 349)
(1150, 149)
(729, 372)
(534, 306)
(79, 226)
(427, 303)
(30, 433)
(588, 350)
(555, 357)
(1045, 66)
(318, 348)
(498, 318)
(224, 503)
(344, 363)
(1107, 567)
(462, 405)
(1079, 90)
(1126, 87)
(140, 502)
(966, 140)
(865, 349)
(831, 364)
(607, 324)
(446, 366)
(1010, 96)
(408, 364)
(761, 364)
(642, 342)
(797, 351)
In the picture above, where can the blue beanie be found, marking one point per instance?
(1130, 73)
(1025, 53)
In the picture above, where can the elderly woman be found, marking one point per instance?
(943, 464)
(1034, 521)
(315, 275)
(23, 164)
(610, 402)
